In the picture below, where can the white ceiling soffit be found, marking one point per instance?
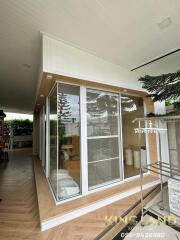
(125, 32)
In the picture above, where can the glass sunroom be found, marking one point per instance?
(91, 143)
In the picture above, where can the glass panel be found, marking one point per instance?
(132, 107)
(174, 143)
(53, 140)
(103, 137)
(44, 137)
(41, 136)
(69, 181)
(103, 172)
(104, 148)
(102, 114)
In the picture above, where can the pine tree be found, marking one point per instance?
(101, 103)
(64, 116)
(63, 107)
(162, 87)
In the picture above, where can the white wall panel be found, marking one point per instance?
(161, 109)
(60, 58)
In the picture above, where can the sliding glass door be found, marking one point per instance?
(132, 107)
(53, 147)
(103, 138)
(69, 174)
(108, 143)
(64, 131)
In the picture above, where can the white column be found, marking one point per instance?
(84, 160)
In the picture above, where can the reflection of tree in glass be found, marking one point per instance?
(64, 116)
(128, 104)
(100, 103)
(64, 112)
(102, 111)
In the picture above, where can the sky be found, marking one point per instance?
(10, 116)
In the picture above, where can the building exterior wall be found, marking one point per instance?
(62, 59)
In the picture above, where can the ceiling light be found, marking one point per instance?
(165, 23)
(41, 95)
(49, 77)
(38, 104)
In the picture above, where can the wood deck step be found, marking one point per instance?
(52, 215)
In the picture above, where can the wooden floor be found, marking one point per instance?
(19, 217)
(48, 209)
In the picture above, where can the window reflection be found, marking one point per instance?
(69, 142)
(53, 140)
(103, 137)
(102, 113)
(104, 143)
(132, 107)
